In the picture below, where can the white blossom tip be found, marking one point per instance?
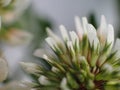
(48, 30)
(103, 22)
(43, 80)
(79, 27)
(110, 38)
(64, 33)
(92, 35)
(77, 20)
(39, 53)
(50, 41)
(85, 22)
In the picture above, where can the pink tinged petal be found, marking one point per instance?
(92, 36)
(102, 30)
(110, 37)
(64, 33)
(85, 23)
(79, 27)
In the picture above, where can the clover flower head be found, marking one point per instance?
(83, 60)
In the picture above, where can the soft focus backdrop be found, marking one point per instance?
(63, 11)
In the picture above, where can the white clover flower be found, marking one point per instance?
(83, 60)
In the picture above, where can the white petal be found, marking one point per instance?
(39, 53)
(74, 37)
(51, 42)
(117, 47)
(43, 80)
(107, 67)
(31, 68)
(92, 35)
(49, 32)
(102, 30)
(103, 23)
(78, 27)
(56, 44)
(117, 44)
(54, 69)
(64, 33)
(46, 58)
(64, 84)
(70, 46)
(54, 38)
(110, 37)
(85, 23)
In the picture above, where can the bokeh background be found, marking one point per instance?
(51, 13)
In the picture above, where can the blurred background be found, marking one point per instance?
(24, 27)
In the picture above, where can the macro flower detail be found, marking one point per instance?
(82, 60)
